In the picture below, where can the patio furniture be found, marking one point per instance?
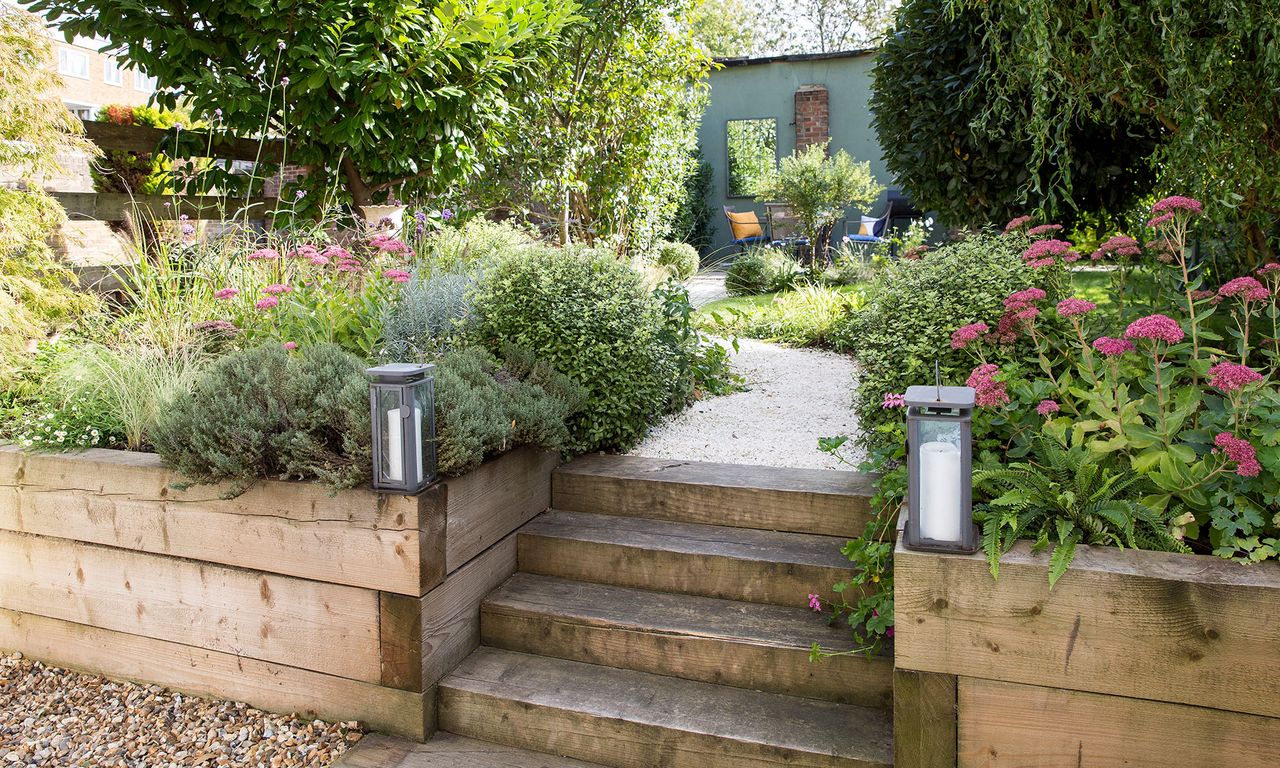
(745, 228)
(868, 230)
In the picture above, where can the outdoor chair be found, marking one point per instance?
(745, 228)
(869, 230)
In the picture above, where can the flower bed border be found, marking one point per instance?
(346, 606)
(1149, 657)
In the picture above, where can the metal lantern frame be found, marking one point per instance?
(952, 406)
(413, 436)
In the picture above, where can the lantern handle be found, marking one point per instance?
(937, 377)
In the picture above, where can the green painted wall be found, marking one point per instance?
(767, 89)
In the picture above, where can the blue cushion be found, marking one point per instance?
(748, 240)
(863, 238)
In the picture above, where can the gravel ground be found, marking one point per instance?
(795, 396)
(52, 717)
(706, 287)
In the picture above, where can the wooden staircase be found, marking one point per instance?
(659, 618)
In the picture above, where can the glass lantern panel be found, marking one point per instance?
(424, 427)
(941, 459)
(391, 444)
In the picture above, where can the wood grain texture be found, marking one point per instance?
(447, 750)
(322, 627)
(124, 499)
(745, 645)
(271, 687)
(495, 499)
(400, 641)
(141, 138)
(451, 611)
(1007, 725)
(634, 720)
(712, 561)
(1149, 625)
(828, 502)
(924, 720)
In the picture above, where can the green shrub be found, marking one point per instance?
(761, 270)
(915, 305)
(457, 249)
(588, 316)
(680, 259)
(804, 317)
(485, 407)
(263, 413)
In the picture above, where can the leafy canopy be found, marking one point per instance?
(974, 163)
(396, 95)
(1201, 73)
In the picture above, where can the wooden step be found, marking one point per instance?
(628, 719)
(821, 501)
(746, 645)
(708, 560)
(447, 750)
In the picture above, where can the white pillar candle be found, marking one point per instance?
(940, 491)
(393, 448)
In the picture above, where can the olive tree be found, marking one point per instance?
(818, 189)
(392, 96)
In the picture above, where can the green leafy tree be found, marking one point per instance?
(36, 296)
(932, 102)
(692, 220)
(1201, 74)
(818, 189)
(605, 136)
(727, 28)
(395, 96)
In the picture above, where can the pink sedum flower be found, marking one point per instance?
(1017, 223)
(967, 334)
(270, 302)
(388, 244)
(1268, 268)
(265, 254)
(336, 253)
(1047, 408)
(1246, 288)
(1241, 452)
(893, 400)
(226, 293)
(397, 275)
(1041, 263)
(1120, 245)
(290, 345)
(1044, 229)
(276, 289)
(1110, 347)
(1023, 298)
(988, 393)
(1073, 307)
(1156, 328)
(1178, 203)
(319, 260)
(1232, 377)
(1045, 249)
(1159, 221)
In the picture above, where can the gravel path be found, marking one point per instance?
(52, 717)
(795, 396)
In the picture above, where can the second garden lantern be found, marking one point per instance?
(402, 403)
(940, 469)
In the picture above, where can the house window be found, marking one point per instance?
(82, 111)
(111, 72)
(73, 63)
(143, 83)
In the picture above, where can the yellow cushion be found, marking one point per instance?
(745, 224)
(865, 228)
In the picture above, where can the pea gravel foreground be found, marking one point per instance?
(54, 717)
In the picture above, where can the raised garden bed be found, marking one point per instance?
(1134, 658)
(346, 606)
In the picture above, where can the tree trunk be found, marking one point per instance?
(361, 195)
(566, 210)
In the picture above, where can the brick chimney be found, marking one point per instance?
(812, 115)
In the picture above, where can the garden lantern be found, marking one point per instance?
(402, 402)
(940, 469)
